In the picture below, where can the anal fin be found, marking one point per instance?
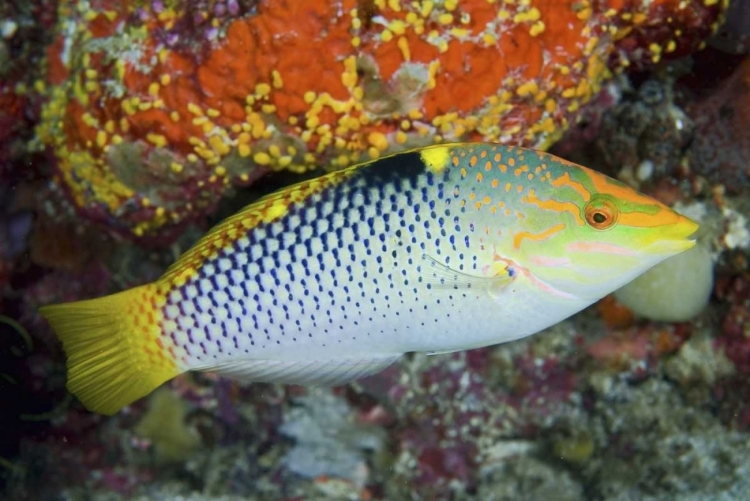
(324, 372)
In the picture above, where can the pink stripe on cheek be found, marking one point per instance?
(551, 262)
(541, 285)
(600, 247)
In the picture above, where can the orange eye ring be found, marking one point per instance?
(600, 214)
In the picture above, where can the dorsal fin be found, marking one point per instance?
(263, 210)
(267, 209)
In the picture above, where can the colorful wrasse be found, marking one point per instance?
(444, 248)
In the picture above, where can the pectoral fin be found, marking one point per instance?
(437, 275)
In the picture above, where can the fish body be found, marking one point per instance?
(439, 249)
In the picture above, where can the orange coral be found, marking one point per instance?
(163, 104)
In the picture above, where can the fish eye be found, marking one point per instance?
(600, 214)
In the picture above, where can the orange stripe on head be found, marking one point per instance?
(537, 237)
(650, 214)
(663, 217)
(565, 180)
(556, 206)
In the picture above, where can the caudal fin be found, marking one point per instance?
(115, 354)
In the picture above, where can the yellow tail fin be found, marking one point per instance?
(114, 348)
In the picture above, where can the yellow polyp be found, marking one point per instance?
(213, 113)
(276, 80)
(243, 150)
(174, 116)
(532, 14)
(262, 89)
(194, 109)
(262, 158)
(92, 87)
(153, 89)
(397, 26)
(101, 139)
(445, 19)
(165, 79)
(378, 140)
(537, 28)
(403, 45)
(157, 140)
(489, 39)
(527, 89)
(176, 167)
(356, 41)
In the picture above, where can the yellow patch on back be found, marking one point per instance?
(436, 158)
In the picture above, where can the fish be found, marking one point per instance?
(437, 249)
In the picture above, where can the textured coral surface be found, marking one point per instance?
(156, 108)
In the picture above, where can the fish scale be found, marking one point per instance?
(293, 300)
(434, 250)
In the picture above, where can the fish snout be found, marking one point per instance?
(676, 237)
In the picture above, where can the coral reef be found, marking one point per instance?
(734, 34)
(156, 109)
(720, 150)
(606, 405)
(329, 441)
(645, 133)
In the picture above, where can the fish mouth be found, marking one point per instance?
(676, 238)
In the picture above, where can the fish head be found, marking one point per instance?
(606, 233)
